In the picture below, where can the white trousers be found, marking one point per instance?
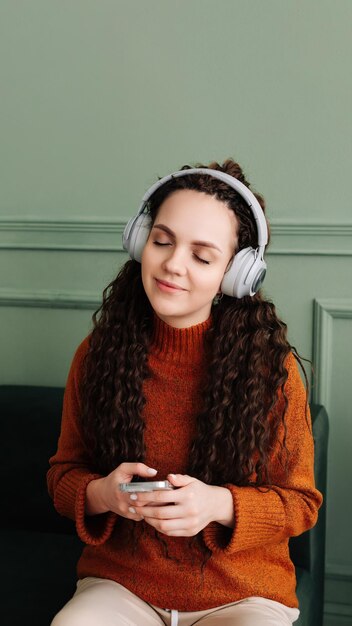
(100, 601)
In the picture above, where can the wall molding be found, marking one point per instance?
(105, 235)
(325, 311)
(311, 239)
(337, 576)
(338, 587)
(49, 299)
(334, 609)
(335, 571)
(77, 235)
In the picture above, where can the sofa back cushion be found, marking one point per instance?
(30, 420)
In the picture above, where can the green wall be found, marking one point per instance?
(99, 98)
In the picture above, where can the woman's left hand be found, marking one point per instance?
(187, 509)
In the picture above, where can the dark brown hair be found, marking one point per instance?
(246, 347)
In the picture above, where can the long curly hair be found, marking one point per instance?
(245, 402)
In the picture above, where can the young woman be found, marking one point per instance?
(187, 376)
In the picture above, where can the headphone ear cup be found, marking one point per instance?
(135, 235)
(236, 273)
(245, 274)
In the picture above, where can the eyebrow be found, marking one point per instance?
(205, 244)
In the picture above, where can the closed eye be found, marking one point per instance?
(198, 258)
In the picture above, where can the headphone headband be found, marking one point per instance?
(233, 182)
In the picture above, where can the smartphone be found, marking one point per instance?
(154, 485)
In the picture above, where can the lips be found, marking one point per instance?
(165, 285)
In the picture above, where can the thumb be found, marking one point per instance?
(128, 470)
(180, 480)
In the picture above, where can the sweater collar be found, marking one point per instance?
(179, 344)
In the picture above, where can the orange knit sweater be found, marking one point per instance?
(250, 560)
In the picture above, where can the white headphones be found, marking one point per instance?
(247, 270)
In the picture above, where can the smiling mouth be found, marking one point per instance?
(166, 286)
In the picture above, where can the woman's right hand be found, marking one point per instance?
(103, 494)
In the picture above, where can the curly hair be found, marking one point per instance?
(246, 347)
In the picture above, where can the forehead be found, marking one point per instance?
(196, 215)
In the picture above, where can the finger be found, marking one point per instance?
(172, 527)
(160, 512)
(128, 470)
(136, 517)
(158, 497)
(180, 480)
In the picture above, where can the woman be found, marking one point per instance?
(188, 375)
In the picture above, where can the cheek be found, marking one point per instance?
(147, 258)
(210, 281)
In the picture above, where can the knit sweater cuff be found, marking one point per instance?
(70, 499)
(259, 519)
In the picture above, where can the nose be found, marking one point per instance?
(175, 262)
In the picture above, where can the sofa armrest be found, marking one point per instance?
(308, 550)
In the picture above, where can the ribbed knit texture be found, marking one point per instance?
(250, 560)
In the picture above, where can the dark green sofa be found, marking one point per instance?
(40, 549)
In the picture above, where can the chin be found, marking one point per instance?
(167, 311)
